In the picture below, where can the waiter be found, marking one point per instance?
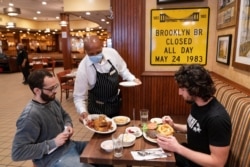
(96, 88)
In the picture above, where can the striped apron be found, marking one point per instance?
(104, 98)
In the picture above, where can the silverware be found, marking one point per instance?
(145, 153)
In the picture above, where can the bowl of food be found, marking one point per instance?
(134, 130)
(128, 139)
(107, 145)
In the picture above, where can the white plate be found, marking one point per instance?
(107, 145)
(137, 131)
(156, 120)
(94, 116)
(128, 84)
(121, 120)
(148, 138)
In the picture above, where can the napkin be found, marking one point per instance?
(150, 154)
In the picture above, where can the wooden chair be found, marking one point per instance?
(37, 66)
(66, 83)
(52, 67)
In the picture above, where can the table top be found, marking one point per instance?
(44, 63)
(71, 75)
(94, 154)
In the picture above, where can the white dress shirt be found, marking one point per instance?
(86, 75)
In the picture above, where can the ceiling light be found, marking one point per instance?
(11, 11)
(44, 3)
(63, 23)
(47, 30)
(10, 25)
(87, 13)
(38, 12)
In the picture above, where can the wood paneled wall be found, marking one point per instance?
(158, 91)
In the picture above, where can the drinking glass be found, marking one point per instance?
(117, 144)
(144, 116)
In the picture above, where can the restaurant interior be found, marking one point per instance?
(56, 30)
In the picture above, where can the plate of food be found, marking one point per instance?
(156, 120)
(153, 129)
(134, 130)
(100, 123)
(148, 138)
(121, 120)
(128, 83)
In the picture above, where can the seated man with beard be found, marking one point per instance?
(44, 128)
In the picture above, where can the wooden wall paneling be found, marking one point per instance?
(161, 97)
(158, 93)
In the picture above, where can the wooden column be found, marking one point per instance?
(66, 47)
(128, 31)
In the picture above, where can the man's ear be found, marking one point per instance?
(37, 91)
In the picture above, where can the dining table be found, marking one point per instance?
(94, 154)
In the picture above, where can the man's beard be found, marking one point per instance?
(47, 98)
(190, 100)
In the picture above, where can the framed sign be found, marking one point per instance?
(223, 49)
(175, 1)
(179, 36)
(227, 13)
(241, 59)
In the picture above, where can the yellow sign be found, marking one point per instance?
(179, 36)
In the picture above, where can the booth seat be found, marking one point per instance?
(236, 100)
(8, 64)
(57, 56)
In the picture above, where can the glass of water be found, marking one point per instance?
(144, 116)
(117, 144)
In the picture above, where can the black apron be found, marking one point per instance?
(104, 98)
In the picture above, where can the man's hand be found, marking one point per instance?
(168, 143)
(61, 138)
(167, 119)
(69, 130)
(138, 81)
(83, 116)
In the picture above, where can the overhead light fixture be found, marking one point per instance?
(12, 11)
(63, 23)
(10, 25)
(47, 30)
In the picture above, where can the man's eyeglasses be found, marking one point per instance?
(52, 89)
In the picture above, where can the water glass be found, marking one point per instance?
(117, 144)
(144, 116)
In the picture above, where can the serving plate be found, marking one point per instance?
(148, 138)
(95, 116)
(156, 120)
(128, 83)
(121, 120)
(134, 130)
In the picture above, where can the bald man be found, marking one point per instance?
(96, 88)
(23, 62)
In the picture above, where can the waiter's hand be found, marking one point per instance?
(137, 81)
(83, 116)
